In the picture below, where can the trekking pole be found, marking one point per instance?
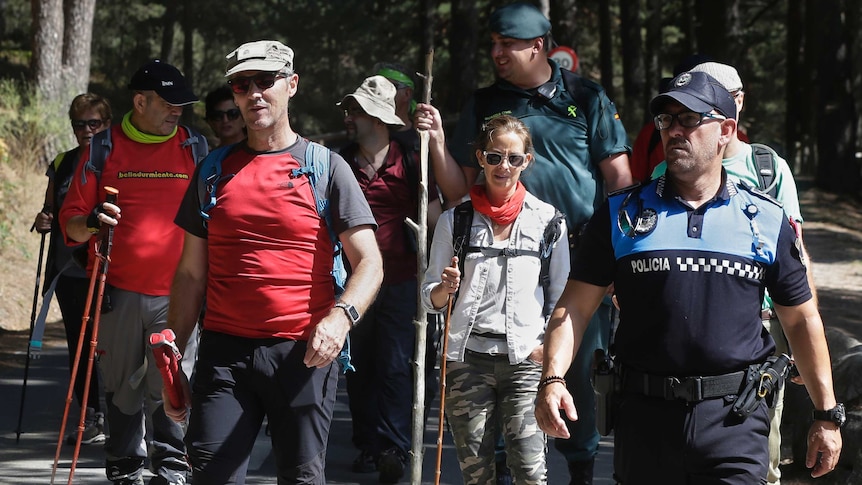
(31, 351)
(168, 358)
(99, 274)
(443, 389)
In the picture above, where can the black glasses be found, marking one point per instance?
(514, 159)
(263, 80)
(218, 115)
(353, 111)
(93, 124)
(686, 119)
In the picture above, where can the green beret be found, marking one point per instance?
(519, 21)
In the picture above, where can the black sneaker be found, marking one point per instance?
(391, 465)
(94, 429)
(366, 462)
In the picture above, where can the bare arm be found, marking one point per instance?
(616, 172)
(454, 181)
(804, 330)
(327, 338)
(566, 327)
(188, 289)
(187, 296)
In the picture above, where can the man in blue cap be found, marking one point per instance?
(690, 254)
(581, 152)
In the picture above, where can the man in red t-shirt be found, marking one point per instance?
(272, 326)
(150, 162)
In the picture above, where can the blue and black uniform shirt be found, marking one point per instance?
(690, 281)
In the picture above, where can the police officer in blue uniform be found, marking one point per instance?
(690, 254)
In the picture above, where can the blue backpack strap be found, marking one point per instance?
(209, 177)
(316, 166)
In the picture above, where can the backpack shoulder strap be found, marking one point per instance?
(764, 161)
(209, 177)
(549, 238)
(100, 147)
(198, 144)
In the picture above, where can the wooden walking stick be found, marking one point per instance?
(98, 276)
(437, 469)
(420, 227)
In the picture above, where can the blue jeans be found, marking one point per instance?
(583, 444)
(381, 389)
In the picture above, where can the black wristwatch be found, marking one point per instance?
(835, 415)
(351, 312)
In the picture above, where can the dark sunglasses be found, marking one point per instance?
(217, 115)
(81, 124)
(263, 80)
(514, 159)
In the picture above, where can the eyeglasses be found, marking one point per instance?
(686, 119)
(514, 159)
(353, 111)
(218, 115)
(93, 124)
(263, 80)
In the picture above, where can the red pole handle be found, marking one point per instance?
(167, 360)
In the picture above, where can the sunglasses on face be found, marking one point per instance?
(263, 80)
(81, 124)
(514, 159)
(218, 115)
(686, 119)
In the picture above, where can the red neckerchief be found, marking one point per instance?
(503, 214)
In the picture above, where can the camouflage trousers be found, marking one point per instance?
(484, 393)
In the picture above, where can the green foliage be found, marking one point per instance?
(31, 131)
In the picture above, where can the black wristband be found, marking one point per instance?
(546, 381)
(93, 222)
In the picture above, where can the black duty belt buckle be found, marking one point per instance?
(689, 389)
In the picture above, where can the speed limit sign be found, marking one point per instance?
(565, 57)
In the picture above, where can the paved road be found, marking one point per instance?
(30, 460)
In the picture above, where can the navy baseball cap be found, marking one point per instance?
(697, 91)
(519, 21)
(166, 80)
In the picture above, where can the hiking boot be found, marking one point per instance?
(160, 480)
(129, 481)
(391, 465)
(366, 462)
(94, 429)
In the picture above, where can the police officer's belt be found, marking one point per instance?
(690, 389)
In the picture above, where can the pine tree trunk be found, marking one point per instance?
(47, 63)
(78, 36)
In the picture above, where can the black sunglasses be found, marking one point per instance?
(263, 80)
(217, 115)
(81, 124)
(514, 159)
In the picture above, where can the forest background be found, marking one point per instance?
(800, 62)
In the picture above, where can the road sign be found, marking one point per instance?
(565, 57)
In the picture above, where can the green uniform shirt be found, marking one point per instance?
(570, 138)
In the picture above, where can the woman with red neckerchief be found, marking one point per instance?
(497, 323)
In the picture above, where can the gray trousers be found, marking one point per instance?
(133, 387)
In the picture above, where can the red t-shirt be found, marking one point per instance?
(151, 180)
(269, 253)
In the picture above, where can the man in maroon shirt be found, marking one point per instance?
(383, 346)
